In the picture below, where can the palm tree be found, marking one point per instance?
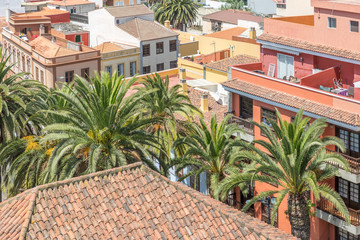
(99, 129)
(210, 150)
(298, 163)
(173, 109)
(178, 12)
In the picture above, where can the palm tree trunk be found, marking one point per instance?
(299, 216)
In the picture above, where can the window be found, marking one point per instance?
(69, 76)
(351, 141)
(138, 1)
(85, 73)
(78, 38)
(265, 213)
(122, 3)
(23, 64)
(57, 7)
(160, 67)
(267, 115)
(146, 50)
(46, 29)
(246, 107)
(18, 62)
(28, 65)
(146, 69)
(331, 22)
(73, 10)
(215, 26)
(285, 66)
(36, 73)
(117, 21)
(24, 31)
(131, 2)
(354, 26)
(341, 234)
(121, 69)
(108, 69)
(173, 64)
(42, 77)
(132, 68)
(159, 47)
(172, 47)
(349, 192)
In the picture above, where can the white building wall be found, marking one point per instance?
(80, 9)
(266, 7)
(103, 29)
(155, 59)
(296, 8)
(148, 17)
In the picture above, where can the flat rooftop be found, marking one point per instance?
(67, 28)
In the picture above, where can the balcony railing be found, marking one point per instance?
(353, 162)
(231, 201)
(281, 5)
(244, 124)
(329, 208)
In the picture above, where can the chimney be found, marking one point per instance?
(204, 102)
(167, 24)
(252, 33)
(184, 86)
(182, 73)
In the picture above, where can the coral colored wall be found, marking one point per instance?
(60, 18)
(319, 228)
(71, 37)
(312, 94)
(324, 78)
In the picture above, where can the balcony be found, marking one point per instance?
(231, 201)
(327, 207)
(244, 124)
(353, 162)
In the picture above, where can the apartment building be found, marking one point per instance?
(305, 63)
(292, 8)
(135, 26)
(124, 59)
(31, 48)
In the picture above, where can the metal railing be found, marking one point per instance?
(281, 5)
(244, 124)
(231, 201)
(353, 162)
(326, 206)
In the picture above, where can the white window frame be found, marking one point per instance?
(329, 21)
(287, 57)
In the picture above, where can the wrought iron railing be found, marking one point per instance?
(246, 125)
(353, 162)
(231, 201)
(329, 208)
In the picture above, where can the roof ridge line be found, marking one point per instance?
(229, 213)
(91, 175)
(29, 214)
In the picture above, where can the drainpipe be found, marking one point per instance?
(141, 57)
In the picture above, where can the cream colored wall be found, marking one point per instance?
(76, 67)
(187, 49)
(206, 26)
(193, 70)
(113, 62)
(215, 76)
(206, 45)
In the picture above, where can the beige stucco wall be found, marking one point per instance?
(215, 76)
(187, 49)
(113, 62)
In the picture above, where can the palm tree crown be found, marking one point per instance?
(295, 159)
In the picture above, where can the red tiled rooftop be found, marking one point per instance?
(224, 64)
(309, 46)
(293, 101)
(122, 203)
(232, 16)
(228, 34)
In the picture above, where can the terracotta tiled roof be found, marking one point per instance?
(224, 64)
(232, 16)
(131, 202)
(44, 12)
(214, 107)
(228, 34)
(310, 46)
(127, 11)
(146, 30)
(293, 101)
(108, 47)
(70, 2)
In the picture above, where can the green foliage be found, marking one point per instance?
(297, 162)
(178, 12)
(211, 150)
(234, 4)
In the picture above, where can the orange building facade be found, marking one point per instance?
(307, 63)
